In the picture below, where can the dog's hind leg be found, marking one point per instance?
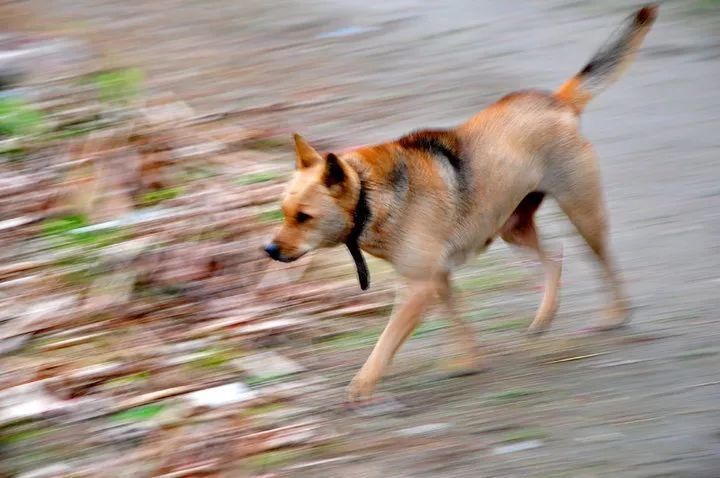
(520, 230)
(469, 359)
(580, 197)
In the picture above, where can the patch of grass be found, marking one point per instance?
(138, 414)
(271, 216)
(17, 118)
(367, 337)
(429, 326)
(490, 280)
(254, 178)
(154, 197)
(63, 229)
(512, 395)
(194, 172)
(75, 130)
(481, 313)
(262, 409)
(129, 379)
(524, 434)
(214, 359)
(266, 144)
(271, 459)
(697, 354)
(64, 224)
(118, 85)
(20, 436)
(352, 340)
(264, 379)
(517, 324)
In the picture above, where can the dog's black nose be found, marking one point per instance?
(273, 250)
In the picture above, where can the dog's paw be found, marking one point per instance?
(615, 317)
(462, 365)
(537, 328)
(361, 387)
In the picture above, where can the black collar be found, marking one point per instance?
(360, 219)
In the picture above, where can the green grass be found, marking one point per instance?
(517, 324)
(62, 229)
(266, 144)
(215, 358)
(367, 337)
(154, 197)
(352, 340)
(19, 436)
(262, 409)
(17, 118)
(271, 216)
(429, 326)
(697, 354)
(138, 414)
(63, 225)
(272, 459)
(254, 178)
(264, 379)
(490, 280)
(195, 172)
(512, 395)
(129, 379)
(524, 434)
(118, 86)
(480, 313)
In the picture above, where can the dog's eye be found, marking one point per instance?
(302, 217)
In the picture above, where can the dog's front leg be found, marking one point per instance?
(402, 322)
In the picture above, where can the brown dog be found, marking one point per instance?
(433, 199)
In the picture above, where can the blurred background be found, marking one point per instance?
(143, 149)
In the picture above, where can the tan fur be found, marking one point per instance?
(437, 198)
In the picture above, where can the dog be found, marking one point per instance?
(433, 199)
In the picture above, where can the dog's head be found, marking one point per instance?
(318, 204)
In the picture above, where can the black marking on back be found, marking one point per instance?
(443, 145)
(438, 142)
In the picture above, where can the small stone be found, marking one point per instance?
(600, 438)
(13, 344)
(268, 363)
(16, 221)
(27, 401)
(50, 471)
(222, 395)
(518, 446)
(429, 429)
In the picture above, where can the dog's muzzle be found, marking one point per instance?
(273, 250)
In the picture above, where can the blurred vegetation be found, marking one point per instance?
(66, 231)
(118, 85)
(17, 118)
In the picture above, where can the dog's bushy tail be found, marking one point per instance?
(610, 61)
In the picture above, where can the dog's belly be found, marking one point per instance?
(468, 241)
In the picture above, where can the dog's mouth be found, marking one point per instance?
(273, 250)
(283, 258)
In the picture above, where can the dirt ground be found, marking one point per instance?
(641, 402)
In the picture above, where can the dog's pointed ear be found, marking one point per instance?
(306, 155)
(334, 172)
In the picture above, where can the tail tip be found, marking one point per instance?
(647, 14)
